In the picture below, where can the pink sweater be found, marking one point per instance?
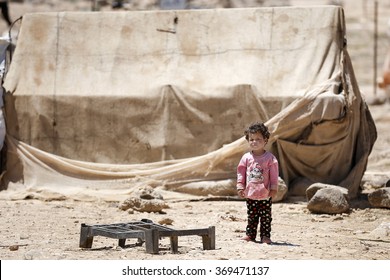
(257, 175)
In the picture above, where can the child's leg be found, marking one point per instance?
(253, 218)
(265, 218)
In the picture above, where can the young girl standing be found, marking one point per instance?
(257, 181)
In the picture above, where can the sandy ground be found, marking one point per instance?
(33, 229)
(52, 230)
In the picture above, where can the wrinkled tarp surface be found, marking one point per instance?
(98, 103)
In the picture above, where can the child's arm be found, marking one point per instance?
(241, 177)
(273, 176)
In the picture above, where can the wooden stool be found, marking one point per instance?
(145, 231)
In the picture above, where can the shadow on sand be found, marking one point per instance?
(280, 243)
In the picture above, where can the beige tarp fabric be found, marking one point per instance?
(100, 103)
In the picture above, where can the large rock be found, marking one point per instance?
(380, 198)
(311, 191)
(328, 201)
(144, 205)
(144, 199)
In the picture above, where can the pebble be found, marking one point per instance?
(14, 247)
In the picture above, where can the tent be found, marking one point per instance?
(99, 103)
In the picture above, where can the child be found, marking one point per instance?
(257, 181)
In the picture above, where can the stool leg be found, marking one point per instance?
(151, 241)
(86, 238)
(209, 239)
(174, 244)
(139, 242)
(121, 242)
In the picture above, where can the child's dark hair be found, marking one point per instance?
(257, 128)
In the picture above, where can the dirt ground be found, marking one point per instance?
(33, 229)
(51, 230)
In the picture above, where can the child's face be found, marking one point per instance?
(257, 142)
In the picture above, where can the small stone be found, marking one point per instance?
(14, 247)
(166, 221)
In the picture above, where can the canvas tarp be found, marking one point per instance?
(100, 103)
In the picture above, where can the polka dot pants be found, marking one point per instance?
(259, 211)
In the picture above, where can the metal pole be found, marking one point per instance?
(375, 44)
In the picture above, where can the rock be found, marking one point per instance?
(375, 181)
(35, 255)
(318, 186)
(144, 199)
(328, 201)
(147, 192)
(380, 198)
(166, 221)
(24, 236)
(14, 247)
(299, 186)
(143, 205)
(382, 231)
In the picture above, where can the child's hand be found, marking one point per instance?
(240, 193)
(272, 193)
